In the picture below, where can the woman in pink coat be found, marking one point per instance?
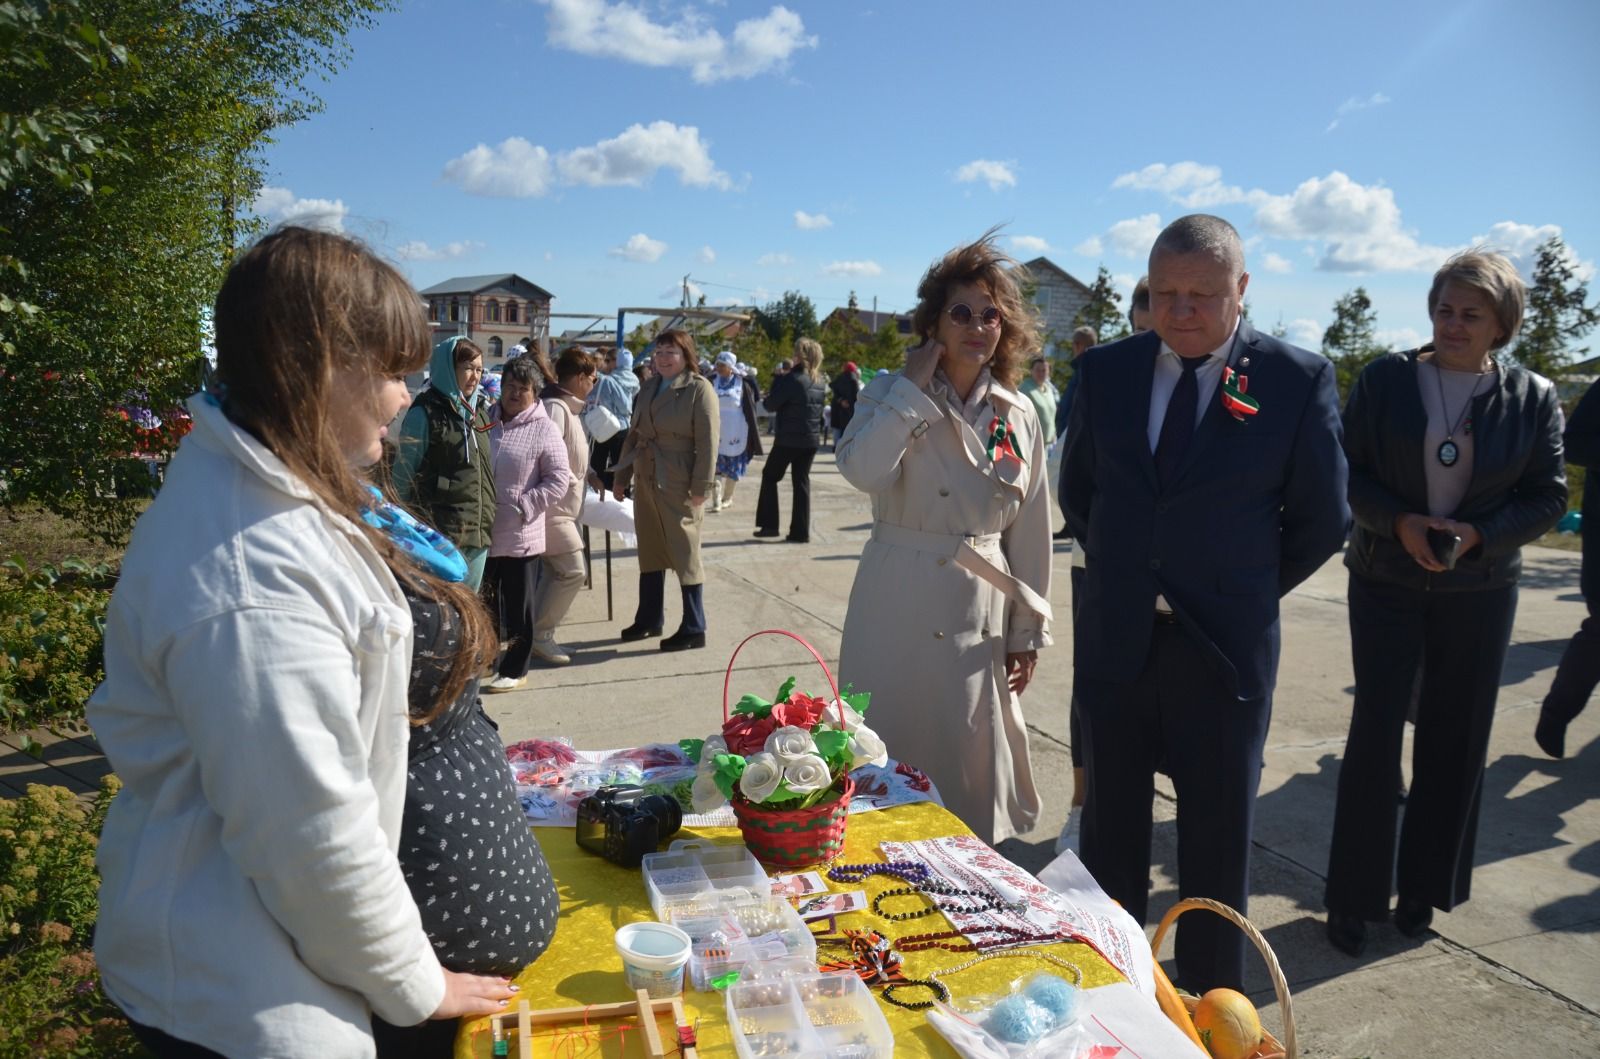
(531, 475)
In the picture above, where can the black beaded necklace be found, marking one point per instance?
(987, 902)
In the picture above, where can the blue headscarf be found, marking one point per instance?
(442, 377)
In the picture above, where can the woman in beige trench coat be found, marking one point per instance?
(949, 607)
(670, 457)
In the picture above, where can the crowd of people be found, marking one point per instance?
(297, 647)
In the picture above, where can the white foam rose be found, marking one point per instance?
(705, 795)
(790, 743)
(713, 746)
(806, 774)
(852, 719)
(866, 748)
(762, 774)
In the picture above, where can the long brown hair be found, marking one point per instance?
(685, 343)
(301, 317)
(985, 264)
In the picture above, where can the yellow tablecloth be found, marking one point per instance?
(582, 966)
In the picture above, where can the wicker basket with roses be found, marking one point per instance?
(785, 765)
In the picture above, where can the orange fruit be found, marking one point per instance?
(1228, 1024)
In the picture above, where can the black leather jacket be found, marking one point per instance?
(1519, 484)
(796, 403)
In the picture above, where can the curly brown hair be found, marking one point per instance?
(1001, 276)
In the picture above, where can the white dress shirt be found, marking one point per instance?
(1168, 371)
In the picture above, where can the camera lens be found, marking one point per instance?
(667, 811)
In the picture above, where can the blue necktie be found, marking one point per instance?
(1177, 428)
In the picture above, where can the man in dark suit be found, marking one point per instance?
(1203, 478)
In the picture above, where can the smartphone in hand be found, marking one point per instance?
(1444, 545)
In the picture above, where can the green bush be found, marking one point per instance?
(52, 642)
(51, 1003)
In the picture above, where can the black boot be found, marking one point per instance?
(1551, 733)
(647, 620)
(1347, 933)
(1412, 917)
(692, 633)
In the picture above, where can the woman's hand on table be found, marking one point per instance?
(1019, 669)
(922, 361)
(473, 994)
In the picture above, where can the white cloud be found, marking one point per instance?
(1029, 244)
(280, 206)
(707, 256)
(770, 260)
(1277, 263)
(1189, 184)
(633, 158)
(810, 222)
(519, 169)
(1134, 237)
(417, 250)
(1305, 332)
(625, 31)
(1400, 338)
(996, 174)
(1090, 247)
(640, 247)
(853, 268)
(1360, 226)
(1521, 242)
(1351, 105)
(516, 169)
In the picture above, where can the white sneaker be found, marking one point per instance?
(1068, 839)
(499, 684)
(550, 652)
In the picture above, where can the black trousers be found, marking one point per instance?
(1579, 671)
(1180, 712)
(434, 1039)
(1459, 640)
(603, 457)
(1075, 726)
(783, 458)
(165, 1046)
(514, 578)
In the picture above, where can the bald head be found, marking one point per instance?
(1201, 233)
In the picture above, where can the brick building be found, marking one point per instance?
(1060, 296)
(495, 311)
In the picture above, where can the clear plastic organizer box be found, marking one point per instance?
(799, 1013)
(690, 869)
(735, 930)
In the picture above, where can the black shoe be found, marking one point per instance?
(1062, 534)
(1348, 934)
(1412, 917)
(637, 631)
(766, 533)
(1551, 735)
(798, 540)
(683, 641)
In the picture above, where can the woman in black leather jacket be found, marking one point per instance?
(796, 402)
(1455, 464)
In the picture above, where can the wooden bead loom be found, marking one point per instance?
(521, 1023)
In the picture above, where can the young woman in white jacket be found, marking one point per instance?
(255, 704)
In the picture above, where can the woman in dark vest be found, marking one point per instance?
(796, 403)
(443, 466)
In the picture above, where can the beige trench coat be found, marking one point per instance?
(931, 618)
(561, 534)
(670, 454)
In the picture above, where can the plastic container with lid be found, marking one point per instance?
(734, 930)
(790, 1009)
(691, 868)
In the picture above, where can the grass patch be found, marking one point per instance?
(35, 538)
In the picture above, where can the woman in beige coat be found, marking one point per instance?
(561, 569)
(949, 607)
(670, 457)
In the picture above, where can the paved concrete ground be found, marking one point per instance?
(1516, 971)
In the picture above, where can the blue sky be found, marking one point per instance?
(604, 150)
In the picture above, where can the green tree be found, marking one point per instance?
(1351, 340)
(1103, 311)
(885, 350)
(141, 124)
(1558, 314)
(793, 313)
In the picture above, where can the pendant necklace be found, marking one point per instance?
(1449, 452)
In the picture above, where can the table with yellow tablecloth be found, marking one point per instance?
(582, 966)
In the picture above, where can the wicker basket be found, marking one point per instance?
(1271, 1047)
(792, 838)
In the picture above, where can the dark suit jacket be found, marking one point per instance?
(1256, 507)
(1583, 448)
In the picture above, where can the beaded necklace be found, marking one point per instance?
(941, 991)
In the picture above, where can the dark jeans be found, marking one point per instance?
(781, 459)
(1459, 641)
(1181, 713)
(1579, 671)
(165, 1046)
(603, 456)
(434, 1039)
(514, 578)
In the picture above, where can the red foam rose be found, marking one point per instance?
(800, 711)
(747, 734)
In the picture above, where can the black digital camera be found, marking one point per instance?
(622, 823)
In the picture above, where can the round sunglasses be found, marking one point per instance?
(961, 313)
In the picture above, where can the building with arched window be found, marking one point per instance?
(497, 312)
